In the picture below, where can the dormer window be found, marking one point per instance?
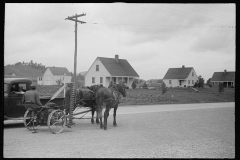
(192, 74)
(97, 67)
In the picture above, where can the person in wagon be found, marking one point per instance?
(31, 99)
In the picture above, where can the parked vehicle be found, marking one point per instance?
(13, 108)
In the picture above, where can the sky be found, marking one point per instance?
(152, 37)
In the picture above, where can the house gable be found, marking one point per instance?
(102, 69)
(103, 72)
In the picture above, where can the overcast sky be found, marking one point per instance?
(152, 37)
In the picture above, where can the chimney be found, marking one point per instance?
(116, 58)
(225, 71)
(183, 66)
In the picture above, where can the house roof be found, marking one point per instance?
(178, 73)
(221, 76)
(59, 71)
(122, 68)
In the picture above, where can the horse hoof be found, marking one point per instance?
(92, 122)
(115, 125)
(105, 128)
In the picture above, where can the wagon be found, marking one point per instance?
(52, 115)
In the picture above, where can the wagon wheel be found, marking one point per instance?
(29, 120)
(56, 121)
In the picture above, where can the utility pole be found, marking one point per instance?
(74, 88)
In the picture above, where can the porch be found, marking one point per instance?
(127, 80)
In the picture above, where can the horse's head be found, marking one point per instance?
(121, 89)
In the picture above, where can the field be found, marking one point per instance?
(178, 96)
(172, 96)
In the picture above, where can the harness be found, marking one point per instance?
(117, 93)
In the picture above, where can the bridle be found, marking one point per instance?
(114, 89)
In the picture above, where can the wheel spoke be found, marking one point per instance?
(56, 121)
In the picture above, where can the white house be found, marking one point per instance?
(53, 74)
(180, 77)
(103, 70)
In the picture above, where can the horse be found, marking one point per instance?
(109, 98)
(86, 98)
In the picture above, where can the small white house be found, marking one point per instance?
(180, 77)
(54, 74)
(103, 70)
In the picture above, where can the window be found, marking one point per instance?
(97, 67)
(40, 78)
(192, 74)
(169, 81)
(192, 81)
(188, 81)
(23, 86)
(101, 79)
(93, 79)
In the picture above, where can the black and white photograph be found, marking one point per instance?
(119, 80)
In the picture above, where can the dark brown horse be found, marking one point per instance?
(86, 98)
(109, 98)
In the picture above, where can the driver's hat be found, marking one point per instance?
(32, 86)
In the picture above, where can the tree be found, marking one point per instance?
(195, 85)
(133, 85)
(164, 88)
(209, 82)
(200, 81)
(59, 82)
(80, 77)
(135, 81)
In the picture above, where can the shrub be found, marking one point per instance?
(220, 87)
(164, 88)
(195, 85)
(133, 85)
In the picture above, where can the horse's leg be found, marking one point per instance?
(97, 119)
(100, 114)
(106, 114)
(114, 116)
(92, 120)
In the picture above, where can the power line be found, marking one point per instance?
(159, 25)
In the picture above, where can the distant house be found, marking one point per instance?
(103, 70)
(53, 74)
(180, 77)
(227, 78)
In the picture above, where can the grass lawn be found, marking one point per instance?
(173, 95)
(178, 96)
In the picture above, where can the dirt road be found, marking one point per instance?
(159, 131)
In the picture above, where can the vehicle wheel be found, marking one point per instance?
(56, 121)
(29, 120)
